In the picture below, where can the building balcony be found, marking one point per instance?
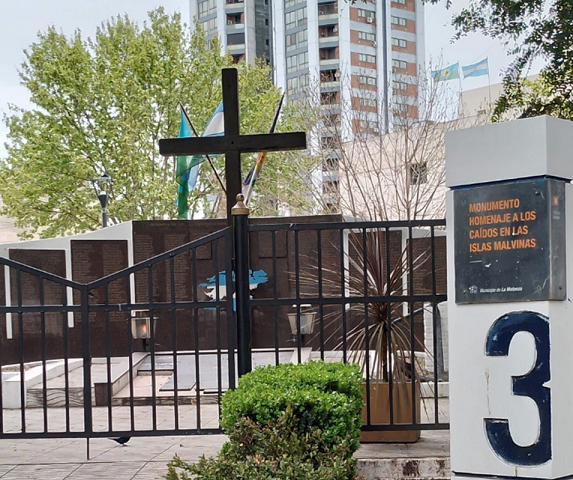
(234, 27)
(328, 8)
(329, 62)
(331, 107)
(330, 86)
(329, 41)
(330, 176)
(236, 49)
(328, 19)
(232, 7)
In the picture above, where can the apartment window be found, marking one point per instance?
(331, 120)
(207, 7)
(401, 107)
(297, 40)
(330, 187)
(328, 8)
(327, 142)
(289, 3)
(399, 42)
(330, 163)
(328, 54)
(401, 2)
(235, 19)
(203, 9)
(297, 83)
(367, 80)
(210, 26)
(366, 13)
(402, 86)
(296, 18)
(398, 21)
(418, 173)
(367, 102)
(329, 98)
(371, 37)
(364, 57)
(399, 64)
(369, 125)
(297, 62)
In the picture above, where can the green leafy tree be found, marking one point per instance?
(530, 29)
(102, 104)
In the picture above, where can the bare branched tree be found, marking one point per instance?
(383, 165)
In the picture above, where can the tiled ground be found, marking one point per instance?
(145, 458)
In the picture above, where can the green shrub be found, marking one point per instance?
(277, 451)
(324, 396)
(286, 422)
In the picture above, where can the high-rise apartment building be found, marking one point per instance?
(244, 26)
(361, 58)
(377, 45)
(364, 56)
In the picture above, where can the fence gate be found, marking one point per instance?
(124, 355)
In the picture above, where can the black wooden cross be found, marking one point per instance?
(232, 143)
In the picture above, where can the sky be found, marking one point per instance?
(20, 21)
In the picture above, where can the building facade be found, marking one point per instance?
(244, 26)
(360, 61)
(364, 56)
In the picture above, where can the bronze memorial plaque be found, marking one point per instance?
(510, 241)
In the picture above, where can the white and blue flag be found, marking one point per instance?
(476, 70)
(216, 126)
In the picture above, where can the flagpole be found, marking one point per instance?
(207, 156)
(488, 84)
(261, 157)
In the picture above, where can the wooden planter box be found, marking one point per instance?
(380, 412)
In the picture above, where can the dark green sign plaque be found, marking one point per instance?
(510, 241)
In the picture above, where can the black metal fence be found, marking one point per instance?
(365, 292)
(73, 367)
(138, 352)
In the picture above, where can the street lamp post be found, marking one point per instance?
(103, 201)
(103, 196)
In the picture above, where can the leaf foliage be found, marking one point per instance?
(102, 105)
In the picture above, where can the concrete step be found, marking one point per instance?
(404, 468)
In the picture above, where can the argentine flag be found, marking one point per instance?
(216, 126)
(447, 73)
(476, 70)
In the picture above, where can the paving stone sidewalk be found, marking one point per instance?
(145, 458)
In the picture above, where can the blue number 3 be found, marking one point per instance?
(529, 385)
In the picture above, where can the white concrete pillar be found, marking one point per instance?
(510, 218)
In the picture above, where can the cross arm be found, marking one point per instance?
(268, 142)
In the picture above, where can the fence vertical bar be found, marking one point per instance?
(107, 337)
(44, 356)
(275, 294)
(241, 235)
(320, 292)
(231, 324)
(85, 319)
(412, 314)
(66, 357)
(22, 357)
(218, 327)
(174, 342)
(299, 341)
